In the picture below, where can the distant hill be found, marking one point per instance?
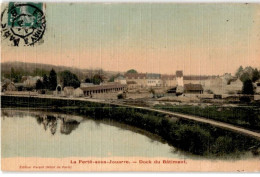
(30, 67)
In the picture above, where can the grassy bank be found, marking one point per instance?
(247, 117)
(194, 137)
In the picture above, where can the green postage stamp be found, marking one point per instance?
(23, 23)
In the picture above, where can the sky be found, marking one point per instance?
(200, 39)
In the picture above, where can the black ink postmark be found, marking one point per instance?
(23, 23)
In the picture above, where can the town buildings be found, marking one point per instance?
(225, 84)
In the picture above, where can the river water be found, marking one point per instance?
(30, 133)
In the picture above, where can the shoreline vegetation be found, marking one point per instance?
(194, 137)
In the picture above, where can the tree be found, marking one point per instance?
(255, 75)
(244, 77)
(97, 79)
(239, 72)
(39, 85)
(87, 80)
(12, 73)
(249, 70)
(248, 87)
(52, 80)
(131, 71)
(112, 78)
(15, 76)
(69, 79)
(45, 81)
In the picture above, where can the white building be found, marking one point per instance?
(120, 79)
(153, 80)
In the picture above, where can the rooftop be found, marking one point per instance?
(193, 87)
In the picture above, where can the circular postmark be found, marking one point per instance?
(23, 23)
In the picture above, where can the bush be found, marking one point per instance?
(120, 96)
(223, 145)
(193, 138)
(245, 99)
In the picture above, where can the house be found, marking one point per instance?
(11, 87)
(68, 91)
(168, 80)
(235, 86)
(153, 80)
(31, 81)
(193, 88)
(132, 85)
(78, 92)
(139, 78)
(120, 79)
(227, 78)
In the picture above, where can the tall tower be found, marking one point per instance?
(179, 78)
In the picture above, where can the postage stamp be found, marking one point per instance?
(23, 23)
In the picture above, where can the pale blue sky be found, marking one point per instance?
(197, 38)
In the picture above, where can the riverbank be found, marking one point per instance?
(195, 137)
(243, 116)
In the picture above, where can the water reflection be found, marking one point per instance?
(50, 121)
(68, 127)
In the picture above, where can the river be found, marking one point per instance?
(31, 133)
(37, 133)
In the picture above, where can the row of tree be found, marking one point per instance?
(96, 79)
(48, 82)
(66, 78)
(16, 75)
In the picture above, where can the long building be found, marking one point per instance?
(106, 88)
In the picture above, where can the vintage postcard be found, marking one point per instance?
(130, 87)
